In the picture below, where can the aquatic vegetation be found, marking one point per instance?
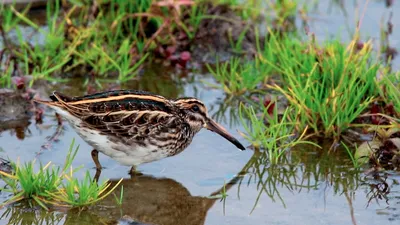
(274, 133)
(389, 90)
(355, 159)
(329, 87)
(119, 199)
(52, 185)
(80, 193)
(105, 39)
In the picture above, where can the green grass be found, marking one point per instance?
(41, 61)
(119, 199)
(196, 15)
(271, 133)
(237, 46)
(113, 43)
(329, 86)
(53, 185)
(81, 46)
(237, 77)
(81, 193)
(354, 160)
(247, 10)
(8, 19)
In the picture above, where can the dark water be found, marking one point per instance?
(308, 186)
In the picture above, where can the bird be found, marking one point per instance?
(135, 127)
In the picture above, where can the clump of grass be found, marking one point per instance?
(329, 87)
(38, 60)
(26, 183)
(52, 185)
(76, 193)
(104, 61)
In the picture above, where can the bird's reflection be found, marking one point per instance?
(163, 201)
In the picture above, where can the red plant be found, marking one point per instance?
(269, 105)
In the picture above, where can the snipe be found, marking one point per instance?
(135, 127)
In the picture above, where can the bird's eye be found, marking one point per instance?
(195, 108)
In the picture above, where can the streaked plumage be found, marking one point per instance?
(135, 127)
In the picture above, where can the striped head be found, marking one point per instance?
(196, 115)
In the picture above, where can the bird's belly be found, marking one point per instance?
(128, 155)
(140, 155)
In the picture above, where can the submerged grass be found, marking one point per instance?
(52, 185)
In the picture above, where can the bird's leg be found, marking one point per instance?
(133, 172)
(97, 176)
(95, 157)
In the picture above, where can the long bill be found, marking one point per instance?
(215, 127)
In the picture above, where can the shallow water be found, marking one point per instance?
(307, 187)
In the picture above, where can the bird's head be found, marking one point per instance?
(196, 115)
